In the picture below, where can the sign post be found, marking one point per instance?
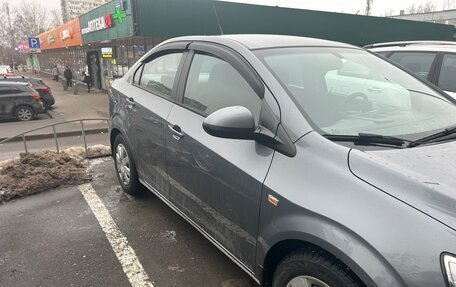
(35, 48)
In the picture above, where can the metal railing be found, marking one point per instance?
(55, 134)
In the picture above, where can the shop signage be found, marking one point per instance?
(50, 38)
(119, 15)
(106, 52)
(65, 34)
(97, 24)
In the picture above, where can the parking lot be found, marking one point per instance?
(55, 239)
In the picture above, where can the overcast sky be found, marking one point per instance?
(379, 7)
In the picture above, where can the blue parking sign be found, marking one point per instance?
(34, 43)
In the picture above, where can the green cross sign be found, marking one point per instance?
(119, 15)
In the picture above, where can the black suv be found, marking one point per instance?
(19, 100)
(39, 85)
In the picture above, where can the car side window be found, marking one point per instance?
(418, 62)
(447, 77)
(214, 84)
(5, 90)
(382, 53)
(159, 74)
(137, 75)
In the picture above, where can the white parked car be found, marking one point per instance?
(434, 61)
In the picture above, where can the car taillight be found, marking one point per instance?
(44, 89)
(36, 96)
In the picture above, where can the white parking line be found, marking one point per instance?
(119, 243)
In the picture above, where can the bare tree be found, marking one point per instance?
(26, 18)
(448, 4)
(7, 35)
(389, 13)
(427, 7)
(31, 18)
(411, 9)
(55, 18)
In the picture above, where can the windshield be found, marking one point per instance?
(345, 91)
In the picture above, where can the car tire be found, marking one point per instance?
(24, 113)
(45, 104)
(313, 267)
(125, 167)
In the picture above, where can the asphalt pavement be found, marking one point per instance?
(56, 239)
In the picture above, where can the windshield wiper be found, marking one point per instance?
(370, 139)
(439, 136)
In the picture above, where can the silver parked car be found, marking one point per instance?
(434, 61)
(307, 162)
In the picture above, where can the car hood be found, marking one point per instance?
(423, 177)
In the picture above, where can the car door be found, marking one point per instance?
(419, 62)
(7, 101)
(216, 182)
(446, 74)
(153, 92)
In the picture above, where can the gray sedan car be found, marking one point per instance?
(307, 162)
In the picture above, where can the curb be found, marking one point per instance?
(59, 134)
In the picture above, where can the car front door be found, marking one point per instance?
(153, 92)
(216, 182)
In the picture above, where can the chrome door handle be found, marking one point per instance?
(176, 131)
(131, 101)
(374, 90)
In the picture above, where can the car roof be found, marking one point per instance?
(437, 46)
(7, 83)
(263, 41)
(18, 78)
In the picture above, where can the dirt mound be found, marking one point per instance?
(92, 151)
(36, 172)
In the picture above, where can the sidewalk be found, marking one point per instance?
(67, 107)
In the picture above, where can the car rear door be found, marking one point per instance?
(7, 101)
(216, 182)
(151, 98)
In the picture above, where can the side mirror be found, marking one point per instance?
(232, 122)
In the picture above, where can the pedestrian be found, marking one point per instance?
(56, 73)
(68, 74)
(88, 80)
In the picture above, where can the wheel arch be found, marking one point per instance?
(286, 247)
(112, 137)
(365, 261)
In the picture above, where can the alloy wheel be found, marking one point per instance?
(123, 164)
(306, 281)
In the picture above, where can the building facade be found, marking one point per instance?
(61, 47)
(447, 17)
(116, 34)
(74, 8)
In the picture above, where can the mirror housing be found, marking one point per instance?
(234, 122)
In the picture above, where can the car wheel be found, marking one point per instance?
(24, 113)
(45, 104)
(125, 167)
(313, 267)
